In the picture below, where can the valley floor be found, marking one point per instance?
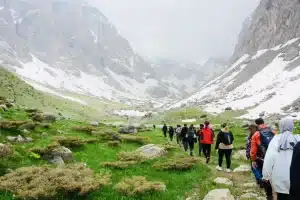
(95, 150)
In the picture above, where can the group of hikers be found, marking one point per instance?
(274, 158)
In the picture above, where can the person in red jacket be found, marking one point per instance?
(206, 140)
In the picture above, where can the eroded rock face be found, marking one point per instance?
(219, 194)
(152, 151)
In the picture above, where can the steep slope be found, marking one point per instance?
(71, 46)
(266, 75)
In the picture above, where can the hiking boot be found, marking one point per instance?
(219, 168)
(228, 170)
(207, 160)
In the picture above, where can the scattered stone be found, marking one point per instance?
(249, 185)
(44, 134)
(219, 194)
(3, 107)
(127, 130)
(57, 160)
(241, 154)
(25, 131)
(294, 115)
(152, 151)
(224, 181)
(63, 152)
(19, 139)
(248, 196)
(228, 108)
(94, 123)
(242, 168)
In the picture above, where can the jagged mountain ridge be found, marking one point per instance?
(71, 46)
(265, 77)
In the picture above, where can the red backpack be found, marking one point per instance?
(207, 136)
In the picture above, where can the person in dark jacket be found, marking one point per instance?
(199, 138)
(295, 174)
(183, 134)
(191, 139)
(224, 146)
(165, 130)
(171, 132)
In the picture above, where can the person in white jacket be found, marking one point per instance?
(278, 158)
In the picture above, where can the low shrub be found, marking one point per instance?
(85, 129)
(131, 156)
(180, 163)
(106, 135)
(119, 164)
(45, 150)
(70, 141)
(5, 150)
(169, 146)
(139, 185)
(49, 183)
(11, 125)
(113, 143)
(135, 139)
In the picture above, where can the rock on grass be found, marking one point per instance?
(139, 185)
(49, 183)
(219, 194)
(151, 151)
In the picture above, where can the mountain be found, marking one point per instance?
(264, 76)
(188, 76)
(68, 45)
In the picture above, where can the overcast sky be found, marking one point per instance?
(191, 30)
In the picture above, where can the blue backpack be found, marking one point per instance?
(266, 135)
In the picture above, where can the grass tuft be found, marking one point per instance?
(113, 143)
(131, 156)
(179, 163)
(48, 183)
(139, 185)
(135, 139)
(119, 164)
(5, 150)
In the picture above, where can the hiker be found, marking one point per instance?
(259, 145)
(154, 126)
(207, 139)
(276, 168)
(178, 138)
(224, 147)
(191, 139)
(171, 132)
(295, 174)
(199, 138)
(165, 129)
(253, 128)
(183, 134)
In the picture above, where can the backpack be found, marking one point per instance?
(178, 130)
(227, 138)
(266, 135)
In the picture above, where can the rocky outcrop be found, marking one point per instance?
(274, 22)
(152, 151)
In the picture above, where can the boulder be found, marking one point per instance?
(228, 108)
(127, 130)
(240, 155)
(249, 195)
(57, 160)
(219, 194)
(19, 139)
(242, 168)
(152, 151)
(224, 181)
(63, 152)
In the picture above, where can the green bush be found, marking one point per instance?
(179, 163)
